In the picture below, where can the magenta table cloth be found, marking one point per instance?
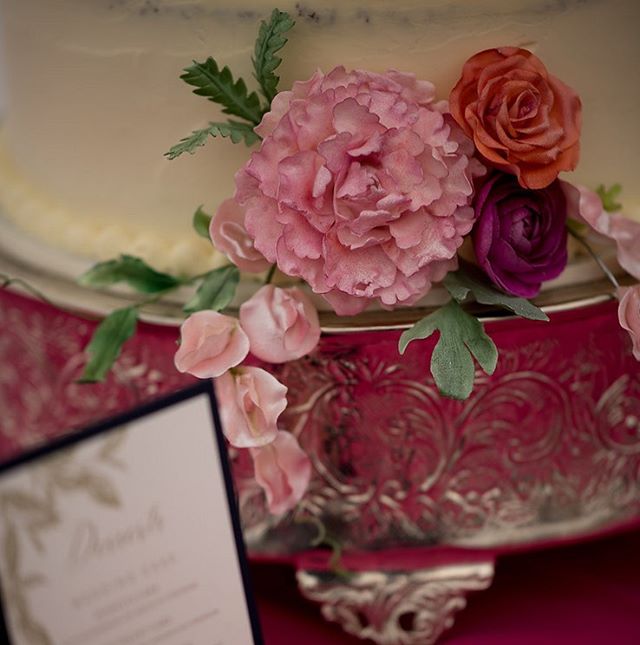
(585, 594)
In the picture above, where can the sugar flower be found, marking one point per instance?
(283, 470)
(210, 344)
(250, 400)
(522, 120)
(629, 315)
(585, 205)
(520, 238)
(282, 324)
(229, 236)
(361, 187)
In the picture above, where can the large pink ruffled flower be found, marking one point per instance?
(361, 187)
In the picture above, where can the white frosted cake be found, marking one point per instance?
(94, 99)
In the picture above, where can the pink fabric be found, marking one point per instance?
(587, 594)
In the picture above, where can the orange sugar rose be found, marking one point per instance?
(522, 120)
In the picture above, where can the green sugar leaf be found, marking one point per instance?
(609, 197)
(201, 222)
(462, 338)
(216, 290)
(460, 283)
(234, 130)
(131, 270)
(219, 86)
(106, 343)
(271, 39)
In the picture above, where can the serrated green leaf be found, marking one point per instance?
(131, 270)
(609, 196)
(481, 346)
(271, 39)
(234, 130)
(421, 330)
(106, 343)
(461, 337)
(201, 222)
(218, 86)
(460, 283)
(216, 290)
(452, 367)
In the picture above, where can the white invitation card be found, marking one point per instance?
(127, 534)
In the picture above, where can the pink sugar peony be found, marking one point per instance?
(361, 187)
(585, 205)
(283, 470)
(250, 400)
(229, 236)
(211, 343)
(629, 315)
(282, 324)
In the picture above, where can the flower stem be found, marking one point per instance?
(595, 256)
(7, 280)
(270, 275)
(194, 278)
(324, 538)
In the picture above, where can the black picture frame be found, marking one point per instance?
(202, 388)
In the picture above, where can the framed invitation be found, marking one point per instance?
(127, 533)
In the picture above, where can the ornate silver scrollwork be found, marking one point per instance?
(393, 607)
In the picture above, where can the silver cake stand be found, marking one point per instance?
(422, 494)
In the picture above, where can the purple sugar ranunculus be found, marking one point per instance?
(520, 236)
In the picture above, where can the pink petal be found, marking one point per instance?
(211, 343)
(229, 235)
(629, 315)
(283, 470)
(251, 401)
(281, 324)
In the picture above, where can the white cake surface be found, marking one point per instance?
(94, 99)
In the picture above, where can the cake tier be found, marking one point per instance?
(95, 99)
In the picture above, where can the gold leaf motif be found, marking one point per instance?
(33, 580)
(96, 486)
(110, 447)
(58, 473)
(33, 631)
(11, 550)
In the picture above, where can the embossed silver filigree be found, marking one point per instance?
(548, 446)
(396, 608)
